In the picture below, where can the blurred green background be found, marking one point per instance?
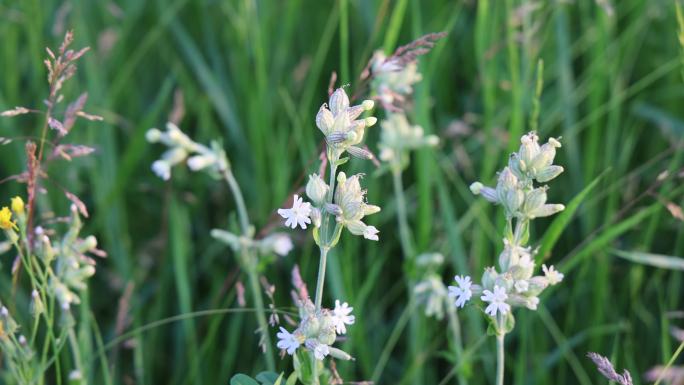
(254, 73)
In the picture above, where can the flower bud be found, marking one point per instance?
(489, 278)
(370, 121)
(535, 199)
(340, 354)
(37, 307)
(325, 120)
(529, 148)
(546, 155)
(548, 173)
(199, 162)
(339, 101)
(368, 104)
(316, 189)
(370, 209)
(316, 217)
(546, 210)
(153, 135)
(18, 205)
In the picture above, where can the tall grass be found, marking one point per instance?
(254, 72)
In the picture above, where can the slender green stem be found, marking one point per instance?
(248, 262)
(239, 200)
(261, 315)
(458, 342)
(73, 341)
(321, 277)
(500, 358)
(404, 231)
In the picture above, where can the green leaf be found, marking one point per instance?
(242, 379)
(655, 260)
(268, 378)
(563, 219)
(292, 380)
(302, 366)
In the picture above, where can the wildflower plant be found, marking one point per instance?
(515, 284)
(53, 255)
(331, 208)
(250, 251)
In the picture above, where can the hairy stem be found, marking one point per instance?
(239, 200)
(499, 359)
(261, 315)
(248, 262)
(321, 277)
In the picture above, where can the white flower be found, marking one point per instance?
(462, 292)
(162, 169)
(552, 275)
(496, 301)
(298, 214)
(287, 341)
(521, 286)
(342, 316)
(282, 245)
(370, 232)
(319, 350)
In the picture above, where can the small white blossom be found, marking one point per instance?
(496, 301)
(319, 350)
(287, 341)
(162, 168)
(342, 317)
(282, 245)
(462, 292)
(554, 276)
(371, 232)
(298, 214)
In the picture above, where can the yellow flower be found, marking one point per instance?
(6, 219)
(18, 205)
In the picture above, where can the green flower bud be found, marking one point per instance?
(316, 189)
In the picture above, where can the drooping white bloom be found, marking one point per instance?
(497, 301)
(342, 317)
(162, 168)
(287, 341)
(319, 350)
(282, 245)
(462, 292)
(552, 275)
(371, 232)
(298, 214)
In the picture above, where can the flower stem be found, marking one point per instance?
(321, 277)
(404, 231)
(239, 200)
(249, 263)
(458, 341)
(261, 316)
(500, 358)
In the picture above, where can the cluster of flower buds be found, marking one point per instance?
(392, 80)
(515, 190)
(430, 291)
(343, 132)
(398, 137)
(275, 243)
(72, 265)
(340, 124)
(183, 149)
(318, 330)
(348, 206)
(515, 285)
(14, 345)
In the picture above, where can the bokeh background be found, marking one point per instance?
(253, 73)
